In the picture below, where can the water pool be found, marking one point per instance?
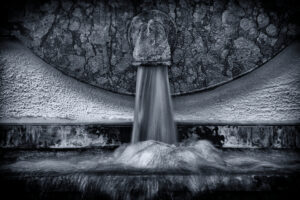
(150, 170)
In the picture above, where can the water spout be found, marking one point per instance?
(153, 115)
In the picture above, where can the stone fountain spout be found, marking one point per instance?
(151, 35)
(151, 46)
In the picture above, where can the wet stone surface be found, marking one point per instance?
(97, 135)
(66, 186)
(216, 40)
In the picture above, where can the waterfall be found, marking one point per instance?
(153, 115)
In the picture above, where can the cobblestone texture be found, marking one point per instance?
(216, 40)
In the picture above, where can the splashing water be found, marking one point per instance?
(153, 116)
(151, 167)
(157, 156)
(193, 157)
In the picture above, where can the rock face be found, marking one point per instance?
(217, 40)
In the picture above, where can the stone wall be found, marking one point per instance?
(217, 40)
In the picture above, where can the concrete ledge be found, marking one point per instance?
(108, 135)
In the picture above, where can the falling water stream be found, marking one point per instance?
(153, 115)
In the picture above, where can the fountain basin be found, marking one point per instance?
(95, 174)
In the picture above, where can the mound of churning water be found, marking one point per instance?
(155, 155)
(194, 157)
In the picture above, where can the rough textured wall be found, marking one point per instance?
(33, 91)
(217, 40)
(270, 94)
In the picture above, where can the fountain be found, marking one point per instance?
(149, 34)
(154, 165)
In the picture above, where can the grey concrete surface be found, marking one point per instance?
(270, 94)
(34, 92)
